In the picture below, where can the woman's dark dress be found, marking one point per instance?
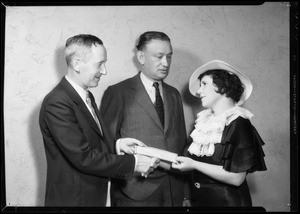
(239, 151)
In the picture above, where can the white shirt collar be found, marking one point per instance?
(146, 82)
(81, 91)
(149, 84)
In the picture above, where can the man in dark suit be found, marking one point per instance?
(146, 108)
(79, 148)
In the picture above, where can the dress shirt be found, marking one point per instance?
(148, 84)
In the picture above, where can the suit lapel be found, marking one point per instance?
(81, 105)
(105, 133)
(103, 127)
(142, 98)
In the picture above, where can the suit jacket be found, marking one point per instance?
(129, 112)
(79, 157)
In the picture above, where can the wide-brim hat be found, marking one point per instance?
(194, 83)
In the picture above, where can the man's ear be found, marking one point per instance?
(76, 64)
(141, 57)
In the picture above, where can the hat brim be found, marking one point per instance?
(194, 82)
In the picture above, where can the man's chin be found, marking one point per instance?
(163, 74)
(94, 84)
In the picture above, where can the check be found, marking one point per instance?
(155, 152)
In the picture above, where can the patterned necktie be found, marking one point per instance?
(89, 102)
(159, 105)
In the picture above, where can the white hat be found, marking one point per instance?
(194, 82)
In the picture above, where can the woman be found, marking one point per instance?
(224, 146)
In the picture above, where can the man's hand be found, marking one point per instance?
(186, 203)
(165, 165)
(127, 145)
(146, 165)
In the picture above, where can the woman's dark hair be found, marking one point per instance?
(146, 37)
(227, 83)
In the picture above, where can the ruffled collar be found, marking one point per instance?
(208, 129)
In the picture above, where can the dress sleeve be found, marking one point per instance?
(242, 147)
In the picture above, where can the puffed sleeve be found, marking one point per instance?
(242, 147)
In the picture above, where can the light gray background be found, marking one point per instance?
(255, 39)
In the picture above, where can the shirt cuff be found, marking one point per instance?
(118, 147)
(136, 162)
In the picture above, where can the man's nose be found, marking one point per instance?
(103, 70)
(165, 61)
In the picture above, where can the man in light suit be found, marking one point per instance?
(79, 149)
(152, 114)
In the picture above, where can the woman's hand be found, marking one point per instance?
(184, 164)
(215, 171)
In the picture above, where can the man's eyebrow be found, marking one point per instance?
(101, 61)
(164, 53)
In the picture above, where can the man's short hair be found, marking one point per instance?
(80, 45)
(146, 37)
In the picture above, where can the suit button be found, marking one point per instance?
(197, 185)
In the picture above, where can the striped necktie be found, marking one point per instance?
(89, 102)
(159, 105)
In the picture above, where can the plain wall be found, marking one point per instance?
(254, 39)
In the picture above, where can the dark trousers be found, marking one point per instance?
(160, 198)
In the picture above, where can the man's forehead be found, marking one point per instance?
(156, 45)
(98, 53)
(98, 49)
(97, 46)
(158, 42)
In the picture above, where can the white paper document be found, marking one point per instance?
(155, 152)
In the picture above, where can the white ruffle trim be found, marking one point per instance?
(208, 129)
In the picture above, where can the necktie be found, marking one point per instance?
(89, 102)
(159, 105)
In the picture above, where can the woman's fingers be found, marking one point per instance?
(176, 165)
(180, 159)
